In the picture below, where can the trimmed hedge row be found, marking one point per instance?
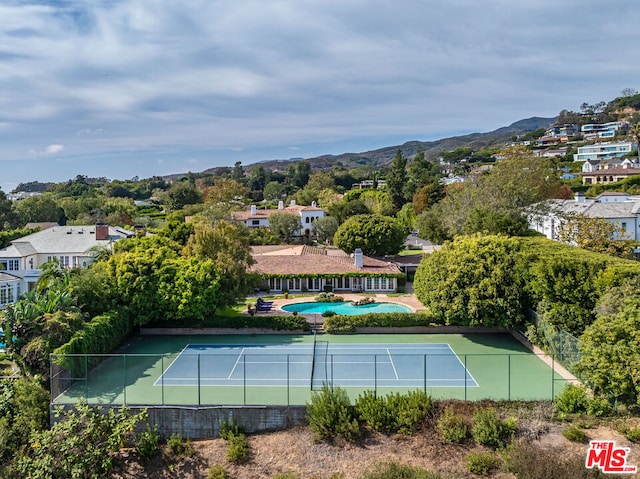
(279, 323)
(348, 324)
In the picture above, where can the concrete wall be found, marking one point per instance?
(204, 422)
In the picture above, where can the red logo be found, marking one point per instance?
(608, 457)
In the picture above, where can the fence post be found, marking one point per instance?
(509, 377)
(288, 381)
(375, 375)
(124, 378)
(425, 371)
(244, 379)
(86, 378)
(162, 379)
(553, 375)
(198, 368)
(465, 377)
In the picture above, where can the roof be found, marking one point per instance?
(265, 213)
(42, 226)
(5, 277)
(617, 171)
(61, 240)
(309, 260)
(597, 209)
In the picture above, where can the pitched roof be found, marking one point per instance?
(304, 260)
(5, 277)
(265, 213)
(61, 240)
(617, 171)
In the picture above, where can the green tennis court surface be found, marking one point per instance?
(285, 369)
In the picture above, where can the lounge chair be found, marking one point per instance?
(263, 302)
(263, 307)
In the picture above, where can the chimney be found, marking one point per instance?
(280, 205)
(313, 204)
(357, 255)
(580, 197)
(253, 210)
(293, 203)
(102, 232)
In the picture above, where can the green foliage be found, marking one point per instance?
(328, 298)
(229, 429)
(24, 410)
(452, 427)
(348, 324)
(397, 180)
(6, 237)
(631, 433)
(180, 447)
(394, 470)
(574, 434)
(147, 443)
(489, 430)
(375, 234)
(284, 225)
(475, 280)
(610, 353)
(238, 451)
(393, 413)
(331, 415)
(216, 471)
(481, 462)
(528, 461)
(81, 445)
(572, 400)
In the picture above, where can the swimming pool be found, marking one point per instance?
(345, 307)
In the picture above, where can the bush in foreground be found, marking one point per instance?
(332, 416)
(393, 470)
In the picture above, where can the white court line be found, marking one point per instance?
(236, 364)
(466, 371)
(392, 365)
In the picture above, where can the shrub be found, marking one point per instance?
(630, 433)
(331, 415)
(574, 434)
(238, 451)
(393, 470)
(452, 427)
(488, 430)
(179, 447)
(598, 407)
(348, 324)
(572, 400)
(228, 429)
(394, 412)
(328, 314)
(481, 462)
(216, 472)
(527, 461)
(148, 443)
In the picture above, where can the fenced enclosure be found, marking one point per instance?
(286, 373)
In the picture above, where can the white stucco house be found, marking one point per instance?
(621, 209)
(256, 217)
(20, 262)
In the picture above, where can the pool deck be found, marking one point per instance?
(316, 320)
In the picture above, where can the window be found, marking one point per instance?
(7, 293)
(275, 284)
(255, 222)
(9, 265)
(376, 283)
(306, 220)
(369, 282)
(383, 283)
(315, 284)
(624, 225)
(293, 284)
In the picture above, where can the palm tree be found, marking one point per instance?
(634, 131)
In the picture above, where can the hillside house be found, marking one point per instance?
(621, 209)
(256, 217)
(601, 151)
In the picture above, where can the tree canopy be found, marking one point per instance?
(375, 234)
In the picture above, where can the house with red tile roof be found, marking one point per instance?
(309, 268)
(256, 217)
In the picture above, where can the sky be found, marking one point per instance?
(126, 88)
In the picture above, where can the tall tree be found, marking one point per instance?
(397, 179)
(237, 174)
(8, 217)
(421, 173)
(285, 225)
(375, 234)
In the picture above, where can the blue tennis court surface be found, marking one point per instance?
(358, 365)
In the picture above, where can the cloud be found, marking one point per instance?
(54, 149)
(139, 80)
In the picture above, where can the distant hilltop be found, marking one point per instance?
(383, 156)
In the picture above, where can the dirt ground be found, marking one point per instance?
(294, 451)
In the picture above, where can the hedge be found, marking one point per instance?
(348, 324)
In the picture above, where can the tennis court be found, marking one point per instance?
(285, 369)
(345, 365)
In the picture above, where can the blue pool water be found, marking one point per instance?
(345, 308)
